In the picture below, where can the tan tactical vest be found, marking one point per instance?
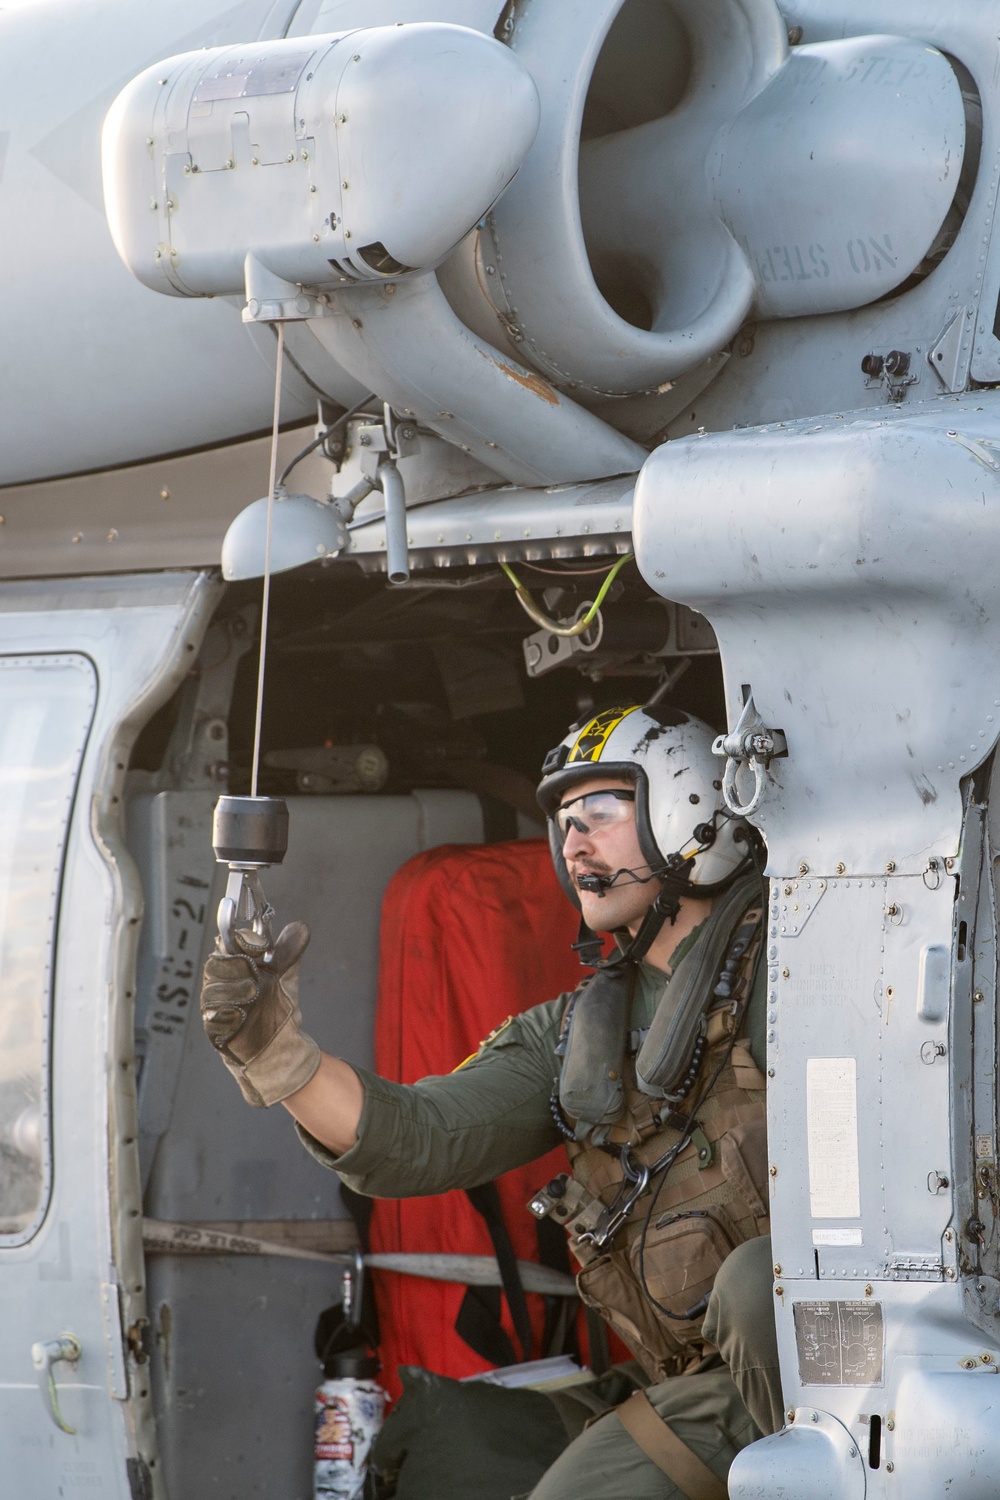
(682, 1225)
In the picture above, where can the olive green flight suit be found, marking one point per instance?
(465, 1128)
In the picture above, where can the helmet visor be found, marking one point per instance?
(593, 811)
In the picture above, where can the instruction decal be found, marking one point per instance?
(832, 1136)
(839, 1343)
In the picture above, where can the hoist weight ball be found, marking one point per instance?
(250, 830)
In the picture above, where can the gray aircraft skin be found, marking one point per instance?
(703, 280)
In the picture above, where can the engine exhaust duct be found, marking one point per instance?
(405, 342)
(691, 172)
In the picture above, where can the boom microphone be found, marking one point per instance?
(598, 885)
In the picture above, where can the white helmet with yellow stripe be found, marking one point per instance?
(667, 756)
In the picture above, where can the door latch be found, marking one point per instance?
(753, 744)
(64, 1350)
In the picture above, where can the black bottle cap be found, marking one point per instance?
(354, 1364)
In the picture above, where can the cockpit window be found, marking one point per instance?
(46, 707)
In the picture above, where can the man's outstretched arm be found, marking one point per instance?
(386, 1139)
(329, 1106)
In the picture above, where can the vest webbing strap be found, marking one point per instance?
(670, 1455)
(486, 1201)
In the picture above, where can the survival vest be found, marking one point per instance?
(669, 1150)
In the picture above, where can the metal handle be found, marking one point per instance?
(390, 482)
(64, 1350)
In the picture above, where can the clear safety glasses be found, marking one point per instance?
(594, 811)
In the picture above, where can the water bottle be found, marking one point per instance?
(350, 1406)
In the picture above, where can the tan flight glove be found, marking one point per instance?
(250, 1012)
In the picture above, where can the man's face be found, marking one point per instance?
(604, 849)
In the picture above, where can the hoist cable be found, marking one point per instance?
(255, 767)
(555, 627)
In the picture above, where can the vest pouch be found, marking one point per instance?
(608, 1284)
(680, 1261)
(743, 1153)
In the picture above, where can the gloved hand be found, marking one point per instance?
(250, 1012)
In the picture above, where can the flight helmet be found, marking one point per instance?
(666, 754)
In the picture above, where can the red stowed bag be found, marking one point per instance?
(470, 935)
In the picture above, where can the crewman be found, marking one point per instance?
(650, 1072)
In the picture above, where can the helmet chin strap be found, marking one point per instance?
(675, 885)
